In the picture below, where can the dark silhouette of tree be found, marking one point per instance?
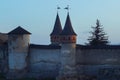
(98, 35)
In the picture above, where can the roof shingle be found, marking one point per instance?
(68, 29)
(19, 30)
(57, 27)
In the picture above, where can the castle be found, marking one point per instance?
(62, 59)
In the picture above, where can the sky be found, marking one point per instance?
(38, 17)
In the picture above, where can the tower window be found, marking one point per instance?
(69, 38)
(74, 38)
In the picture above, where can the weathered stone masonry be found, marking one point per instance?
(63, 59)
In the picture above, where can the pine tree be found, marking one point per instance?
(98, 35)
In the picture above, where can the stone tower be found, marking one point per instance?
(68, 52)
(55, 35)
(18, 45)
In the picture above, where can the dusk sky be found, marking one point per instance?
(38, 17)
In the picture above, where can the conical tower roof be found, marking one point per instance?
(57, 27)
(68, 29)
(19, 31)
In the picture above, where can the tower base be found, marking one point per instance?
(67, 75)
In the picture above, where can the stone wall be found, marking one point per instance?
(3, 59)
(3, 38)
(44, 62)
(17, 51)
(98, 56)
(101, 63)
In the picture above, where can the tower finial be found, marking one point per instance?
(67, 8)
(58, 8)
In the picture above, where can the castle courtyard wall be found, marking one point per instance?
(98, 62)
(98, 56)
(44, 62)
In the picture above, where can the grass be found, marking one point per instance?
(2, 77)
(27, 79)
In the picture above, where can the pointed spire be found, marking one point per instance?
(68, 29)
(57, 27)
(67, 8)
